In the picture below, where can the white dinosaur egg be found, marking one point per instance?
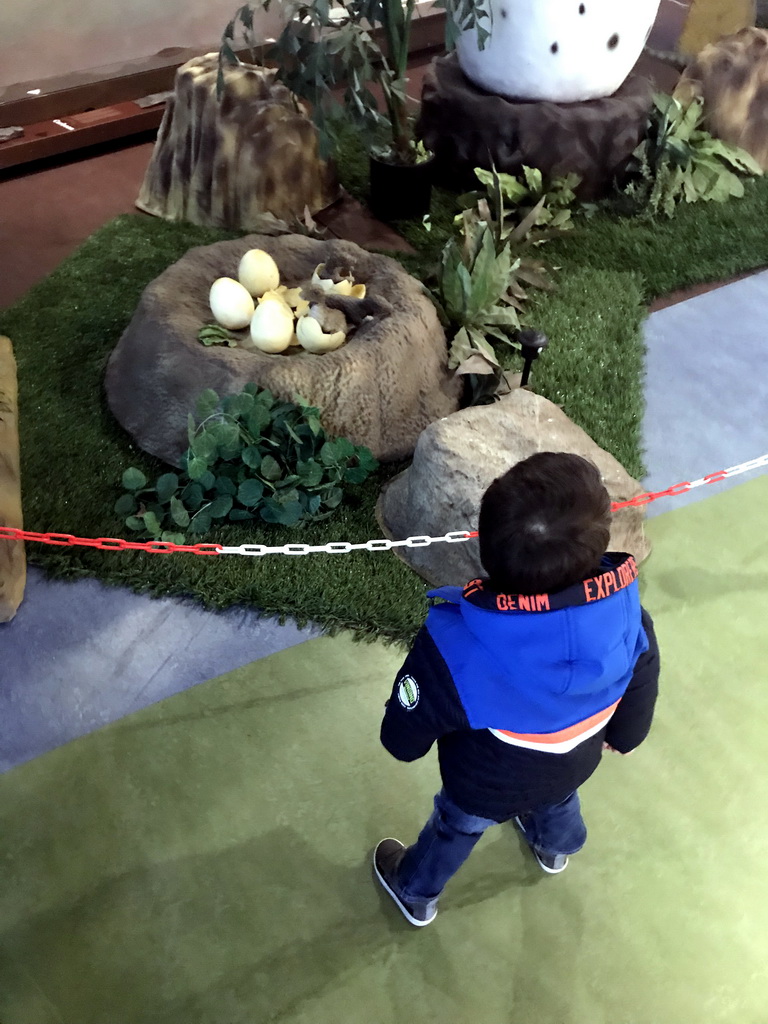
(258, 272)
(231, 305)
(559, 50)
(272, 326)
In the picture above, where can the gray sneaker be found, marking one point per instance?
(386, 860)
(552, 863)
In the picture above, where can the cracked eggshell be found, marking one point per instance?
(272, 326)
(231, 304)
(295, 299)
(290, 298)
(345, 286)
(258, 272)
(323, 283)
(313, 338)
(277, 295)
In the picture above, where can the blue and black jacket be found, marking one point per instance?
(521, 691)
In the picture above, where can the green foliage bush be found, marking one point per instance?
(482, 279)
(251, 456)
(530, 198)
(474, 299)
(679, 161)
(332, 48)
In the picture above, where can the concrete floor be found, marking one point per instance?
(80, 654)
(706, 396)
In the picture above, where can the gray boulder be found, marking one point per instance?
(458, 457)
(380, 389)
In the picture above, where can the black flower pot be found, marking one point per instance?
(400, 191)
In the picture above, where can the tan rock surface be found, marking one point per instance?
(458, 457)
(709, 20)
(13, 564)
(731, 76)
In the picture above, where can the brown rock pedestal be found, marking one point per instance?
(457, 458)
(13, 564)
(380, 389)
(224, 161)
(466, 127)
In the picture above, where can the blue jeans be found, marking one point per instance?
(450, 835)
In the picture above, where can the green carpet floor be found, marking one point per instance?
(206, 861)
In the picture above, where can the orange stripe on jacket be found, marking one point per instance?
(564, 734)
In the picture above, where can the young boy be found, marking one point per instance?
(523, 678)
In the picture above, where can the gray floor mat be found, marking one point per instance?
(706, 388)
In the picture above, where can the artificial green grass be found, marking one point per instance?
(207, 860)
(73, 453)
(703, 242)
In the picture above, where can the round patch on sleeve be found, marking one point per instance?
(408, 693)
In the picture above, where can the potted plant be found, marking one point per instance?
(331, 46)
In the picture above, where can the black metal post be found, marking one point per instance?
(532, 344)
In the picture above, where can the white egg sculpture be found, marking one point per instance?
(231, 304)
(272, 326)
(564, 51)
(258, 272)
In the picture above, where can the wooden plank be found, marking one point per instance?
(59, 99)
(13, 563)
(64, 134)
(155, 74)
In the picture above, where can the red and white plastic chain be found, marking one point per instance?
(159, 547)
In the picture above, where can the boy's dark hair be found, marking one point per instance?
(544, 525)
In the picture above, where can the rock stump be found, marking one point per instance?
(224, 161)
(380, 389)
(466, 127)
(13, 564)
(731, 77)
(458, 457)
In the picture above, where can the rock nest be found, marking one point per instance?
(380, 389)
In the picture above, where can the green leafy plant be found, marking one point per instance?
(483, 278)
(348, 44)
(251, 457)
(522, 215)
(215, 334)
(474, 298)
(679, 161)
(463, 16)
(529, 199)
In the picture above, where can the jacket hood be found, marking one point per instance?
(541, 664)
